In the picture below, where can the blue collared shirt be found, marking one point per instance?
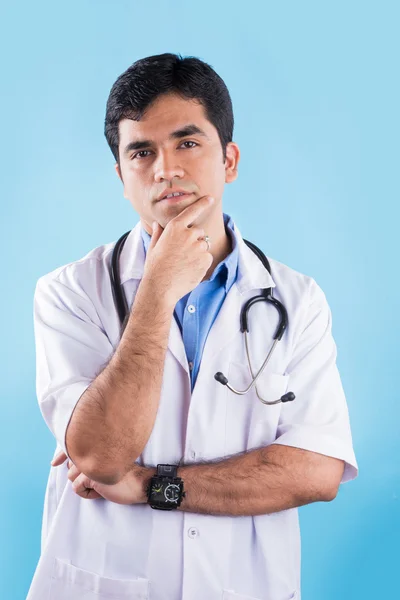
(196, 312)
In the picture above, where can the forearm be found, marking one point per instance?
(114, 417)
(261, 481)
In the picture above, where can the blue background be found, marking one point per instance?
(315, 90)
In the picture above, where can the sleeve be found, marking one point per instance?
(71, 350)
(318, 418)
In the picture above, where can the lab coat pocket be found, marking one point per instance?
(70, 583)
(250, 423)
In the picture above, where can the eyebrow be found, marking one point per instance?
(191, 129)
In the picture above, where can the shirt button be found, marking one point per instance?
(191, 308)
(190, 365)
(193, 532)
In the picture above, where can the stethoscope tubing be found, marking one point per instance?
(266, 295)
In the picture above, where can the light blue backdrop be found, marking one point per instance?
(315, 90)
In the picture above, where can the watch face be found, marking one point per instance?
(171, 492)
(165, 492)
(157, 492)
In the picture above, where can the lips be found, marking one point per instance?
(176, 199)
(168, 196)
(173, 191)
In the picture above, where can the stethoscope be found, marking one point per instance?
(266, 295)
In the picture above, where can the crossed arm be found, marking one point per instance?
(261, 481)
(264, 480)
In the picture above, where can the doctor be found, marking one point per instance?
(120, 402)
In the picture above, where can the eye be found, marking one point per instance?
(190, 142)
(141, 152)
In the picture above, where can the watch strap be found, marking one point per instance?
(167, 470)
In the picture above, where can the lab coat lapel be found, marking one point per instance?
(132, 260)
(176, 345)
(251, 278)
(225, 327)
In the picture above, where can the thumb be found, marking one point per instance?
(157, 231)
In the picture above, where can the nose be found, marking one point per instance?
(166, 167)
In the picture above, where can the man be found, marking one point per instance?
(122, 400)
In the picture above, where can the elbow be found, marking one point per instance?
(97, 469)
(100, 468)
(106, 477)
(329, 494)
(102, 471)
(99, 472)
(333, 479)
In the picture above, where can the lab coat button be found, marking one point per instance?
(193, 532)
(192, 454)
(191, 308)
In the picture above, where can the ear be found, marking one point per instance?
(118, 171)
(231, 162)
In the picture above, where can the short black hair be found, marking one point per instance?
(150, 77)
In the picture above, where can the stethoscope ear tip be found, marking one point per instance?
(221, 378)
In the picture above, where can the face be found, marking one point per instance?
(173, 146)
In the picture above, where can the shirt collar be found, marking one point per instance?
(227, 267)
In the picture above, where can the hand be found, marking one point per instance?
(177, 259)
(130, 490)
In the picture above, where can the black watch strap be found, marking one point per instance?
(167, 470)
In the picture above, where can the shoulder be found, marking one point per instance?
(83, 276)
(299, 292)
(285, 276)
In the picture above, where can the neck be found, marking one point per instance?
(221, 244)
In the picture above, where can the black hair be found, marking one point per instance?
(150, 77)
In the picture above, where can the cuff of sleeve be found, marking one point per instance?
(307, 438)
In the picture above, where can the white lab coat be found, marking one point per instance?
(96, 549)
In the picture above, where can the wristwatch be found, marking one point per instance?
(165, 490)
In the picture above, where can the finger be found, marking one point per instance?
(73, 473)
(197, 233)
(193, 211)
(83, 487)
(156, 234)
(89, 494)
(59, 459)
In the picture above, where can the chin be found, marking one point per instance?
(172, 211)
